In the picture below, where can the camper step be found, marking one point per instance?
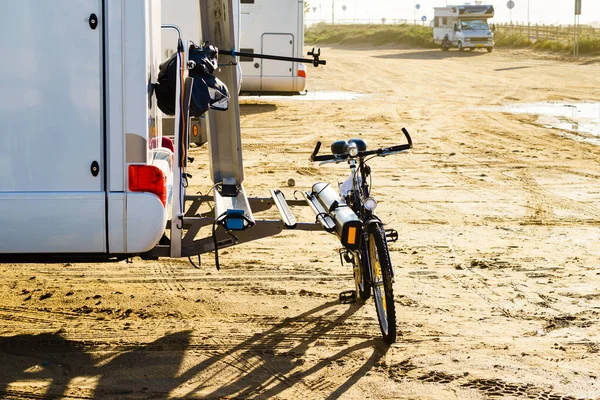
(321, 213)
(284, 210)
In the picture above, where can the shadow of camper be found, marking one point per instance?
(432, 54)
(49, 365)
(256, 108)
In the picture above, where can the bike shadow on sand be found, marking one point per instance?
(262, 366)
(276, 339)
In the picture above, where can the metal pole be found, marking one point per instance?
(332, 11)
(414, 11)
(575, 32)
(528, 36)
(578, 32)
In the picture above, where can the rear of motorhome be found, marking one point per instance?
(464, 27)
(85, 172)
(272, 27)
(79, 171)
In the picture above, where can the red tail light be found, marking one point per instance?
(301, 73)
(148, 178)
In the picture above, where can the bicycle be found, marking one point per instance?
(369, 255)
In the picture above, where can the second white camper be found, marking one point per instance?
(272, 27)
(464, 27)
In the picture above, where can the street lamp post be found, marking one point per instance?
(528, 34)
(332, 11)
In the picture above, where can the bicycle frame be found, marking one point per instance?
(360, 172)
(370, 258)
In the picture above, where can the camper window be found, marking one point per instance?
(474, 25)
(246, 58)
(247, 2)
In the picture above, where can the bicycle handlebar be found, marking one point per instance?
(381, 152)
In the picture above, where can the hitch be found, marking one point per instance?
(315, 61)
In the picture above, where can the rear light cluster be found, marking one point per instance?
(148, 178)
(302, 73)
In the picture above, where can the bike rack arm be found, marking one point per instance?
(315, 61)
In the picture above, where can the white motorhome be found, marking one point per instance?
(78, 173)
(273, 27)
(464, 27)
(85, 173)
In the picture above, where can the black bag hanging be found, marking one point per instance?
(207, 92)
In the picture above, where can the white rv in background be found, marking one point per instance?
(464, 27)
(274, 27)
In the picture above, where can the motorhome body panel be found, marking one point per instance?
(68, 222)
(52, 168)
(133, 59)
(272, 27)
(465, 11)
(185, 14)
(51, 99)
(78, 84)
(146, 221)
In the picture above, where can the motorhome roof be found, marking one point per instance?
(467, 11)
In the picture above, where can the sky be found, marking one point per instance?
(540, 11)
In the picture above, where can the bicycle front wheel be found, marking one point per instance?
(381, 281)
(361, 273)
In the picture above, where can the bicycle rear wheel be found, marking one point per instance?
(381, 281)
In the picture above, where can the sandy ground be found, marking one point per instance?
(496, 267)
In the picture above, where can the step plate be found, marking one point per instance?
(226, 205)
(284, 210)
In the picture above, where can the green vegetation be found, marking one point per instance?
(377, 35)
(552, 45)
(514, 41)
(422, 36)
(589, 45)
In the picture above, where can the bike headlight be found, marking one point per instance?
(370, 203)
(352, 150)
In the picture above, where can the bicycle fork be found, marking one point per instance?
(348, 296)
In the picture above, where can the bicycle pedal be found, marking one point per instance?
(391, 235)
(348, 297)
